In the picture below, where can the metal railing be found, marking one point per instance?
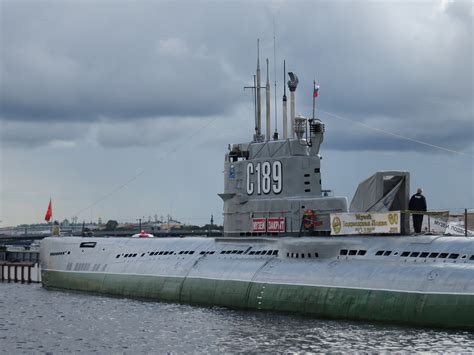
(458, 222)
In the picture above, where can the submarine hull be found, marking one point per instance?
(304, 275)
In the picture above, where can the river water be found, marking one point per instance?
(34, 320)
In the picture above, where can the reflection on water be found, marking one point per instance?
(34, 319)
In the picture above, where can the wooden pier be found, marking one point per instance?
(24, 272)
(19, 264)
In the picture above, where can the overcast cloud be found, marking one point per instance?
(410, 63)
(116, 75)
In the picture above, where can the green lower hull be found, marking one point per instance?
(434, 310)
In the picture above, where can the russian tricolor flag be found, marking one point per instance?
(316, 90)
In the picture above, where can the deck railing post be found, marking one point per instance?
(465, 222)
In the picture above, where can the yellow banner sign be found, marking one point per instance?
(365, 223)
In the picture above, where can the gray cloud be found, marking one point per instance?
(36, 134)
(151, 132)
(83, 61)
(136, 63)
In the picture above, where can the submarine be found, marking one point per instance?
(285, 245)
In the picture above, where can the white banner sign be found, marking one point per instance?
(438, 225)
(365, 223)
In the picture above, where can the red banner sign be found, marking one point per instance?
(276, 225)
(259, 224)
(271, 225)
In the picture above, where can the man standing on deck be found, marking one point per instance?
(417, 203)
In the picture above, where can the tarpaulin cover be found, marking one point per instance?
(382, 192)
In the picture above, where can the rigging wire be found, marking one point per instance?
(173, 149)
(397, 135)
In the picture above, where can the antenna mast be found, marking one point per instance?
(267, 102)
(259, 98)
(285, 107)
(275, 135)
(254, 92)
(255, 102)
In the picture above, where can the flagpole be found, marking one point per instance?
(314, 99)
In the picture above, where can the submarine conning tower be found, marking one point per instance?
(273, 187)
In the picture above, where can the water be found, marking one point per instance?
(33, 319)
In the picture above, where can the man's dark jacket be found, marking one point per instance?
(417, 203)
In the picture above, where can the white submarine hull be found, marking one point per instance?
(424, 280)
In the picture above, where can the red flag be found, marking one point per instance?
(49, 212)
(316, 90)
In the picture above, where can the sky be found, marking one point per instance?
(125, 109)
